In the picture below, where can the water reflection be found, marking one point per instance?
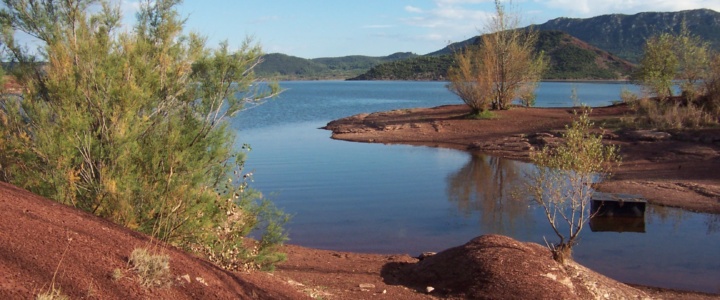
(677, 217)
(491, 187)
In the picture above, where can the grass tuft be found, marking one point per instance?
(52, 294)
(153, 270)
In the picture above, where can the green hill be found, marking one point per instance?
(570, 58)
(592, 48)
(284, 67)
(625, 35)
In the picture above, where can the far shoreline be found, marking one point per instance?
(676, 172)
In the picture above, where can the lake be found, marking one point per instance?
(378, 198)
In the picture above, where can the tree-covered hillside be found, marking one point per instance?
(596, 48)
(284, 67)
(570, 58)
(625, 35)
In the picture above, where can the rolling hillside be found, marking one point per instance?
(570, 58)
(625, 35)
(602, 47)
(284, 67)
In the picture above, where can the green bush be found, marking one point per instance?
(131, 126)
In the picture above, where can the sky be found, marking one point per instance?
(333, 28)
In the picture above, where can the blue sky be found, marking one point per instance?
(331, 28)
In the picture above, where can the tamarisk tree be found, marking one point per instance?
(131, 124)
(504, 66)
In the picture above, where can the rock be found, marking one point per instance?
(293, 282)
(367, 286)
(429, 289)
(201, 280)
(648, 135)
(186, 277)
(425, 255)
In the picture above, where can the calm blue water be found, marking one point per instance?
(406, 199)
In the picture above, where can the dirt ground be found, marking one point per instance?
(44, 244)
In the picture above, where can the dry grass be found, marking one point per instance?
(52, 294)
(153, 270)
(669, 115)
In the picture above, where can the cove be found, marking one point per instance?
(407, 199)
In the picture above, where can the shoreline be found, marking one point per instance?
(675, 171)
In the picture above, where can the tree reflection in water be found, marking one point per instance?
(494, 188)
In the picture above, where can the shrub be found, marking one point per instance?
(153, 270)
(667, 114)
(132, 126)
(562, 182)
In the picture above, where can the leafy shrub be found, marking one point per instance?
(562, 182)
(132, 126)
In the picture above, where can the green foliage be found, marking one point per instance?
(712, 87)
(562, 182)
(416, 68)
(493, 74)
(483, 115)
(668, 57)
(658, 66)
(132, 126)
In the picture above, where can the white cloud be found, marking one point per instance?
(413, 9)
(449, 20)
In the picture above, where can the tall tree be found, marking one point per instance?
(131, 125)
(669, 57)
(503, 67)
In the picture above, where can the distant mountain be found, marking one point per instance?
(625, 35)
(595, 48)
(570, 58)
(285, 67)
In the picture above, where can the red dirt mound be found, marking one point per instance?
(45, 244)
(499, 267)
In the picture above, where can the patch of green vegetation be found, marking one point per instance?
(483, 115)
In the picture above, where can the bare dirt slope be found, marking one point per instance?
(42, 241)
